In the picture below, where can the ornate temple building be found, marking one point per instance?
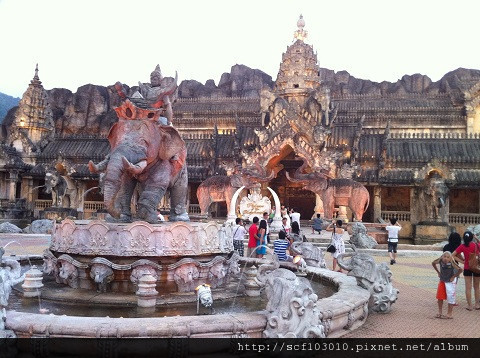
(414, 144)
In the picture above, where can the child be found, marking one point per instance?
(449, 271)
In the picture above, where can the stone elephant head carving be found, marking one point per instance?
(102, 275)
(68, 273)
(147, 153)
(312, 254)
(185, 277)
(142, 270)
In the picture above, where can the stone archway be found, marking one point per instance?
(291, 195)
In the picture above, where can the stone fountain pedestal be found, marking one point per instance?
(114, 256)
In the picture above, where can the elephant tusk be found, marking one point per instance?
(92, 167)
(134, 168)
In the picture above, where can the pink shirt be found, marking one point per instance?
(466, 252)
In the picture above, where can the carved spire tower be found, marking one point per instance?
(33, 119)
(299, 71)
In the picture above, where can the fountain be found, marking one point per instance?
(143, 265)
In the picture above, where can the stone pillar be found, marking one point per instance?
(414, 212)
(377, 202)
(146, 293)
(80, 196)
(33, 282)
(252, 289)
(13, 186)
(342, 213)
(318, 206)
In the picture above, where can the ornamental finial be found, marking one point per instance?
(300, 34)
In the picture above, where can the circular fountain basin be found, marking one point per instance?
(343, 311)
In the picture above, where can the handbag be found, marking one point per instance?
(474, 261)
(331, 248)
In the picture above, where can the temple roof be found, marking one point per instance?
(81, 148)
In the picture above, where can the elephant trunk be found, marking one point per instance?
(296, 179)
(116, 173)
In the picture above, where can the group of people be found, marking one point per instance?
(258, 236)
(447, 266)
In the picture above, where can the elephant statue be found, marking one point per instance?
(376, 278)
(313, 255)
(63, 190)
(220, 188)
(334, 192)
(146, 153)
(102, 275)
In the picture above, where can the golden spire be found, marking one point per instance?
(300, 34)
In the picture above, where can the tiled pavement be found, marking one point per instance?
(412, 315)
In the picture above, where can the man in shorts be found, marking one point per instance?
(239, 233)
(393, 230)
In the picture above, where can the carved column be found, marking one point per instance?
(80, 196)
(318, 206)
(13, 186)
(377, 202)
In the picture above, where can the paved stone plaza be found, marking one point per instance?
(413, 315)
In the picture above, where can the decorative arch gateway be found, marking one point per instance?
(297, 122)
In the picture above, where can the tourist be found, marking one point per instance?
(281, 245)
(393, 230)
(448, 273)
(295, 234)
(284, 214)
(295, 216)
(317, 225)
(472, 279)
(252, 237)
(285, 226)
(337, 241)
(239, 233)
(262, 239)
(454, 241)
(265, 217)
(272, 215)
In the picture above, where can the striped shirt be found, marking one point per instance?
(279, 248)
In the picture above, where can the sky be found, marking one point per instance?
(104, 41)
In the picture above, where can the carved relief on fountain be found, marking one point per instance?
(140, 239)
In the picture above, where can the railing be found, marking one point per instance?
(93, 205)
(194, 209)
(464, 219)
(400, 215)
(42, 204)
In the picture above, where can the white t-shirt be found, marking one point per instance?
(296, 217)
(239, 232)
(393, 232)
